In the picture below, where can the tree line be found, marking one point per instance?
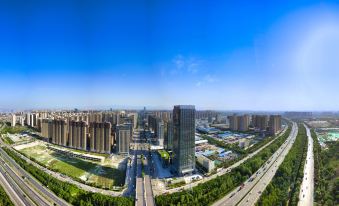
(326, 176)
(69, 192)
(4, 199)
(208, 192)
(285, 185)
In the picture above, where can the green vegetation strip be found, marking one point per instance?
(67, 191)
(13, 130)
(73, 167)
(326, 172)
(4, 199)
(212, 190)
(8, 140)
(285, 185)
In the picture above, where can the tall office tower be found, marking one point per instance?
(168, 141)
(244, 123)
(13, 120)
(123, 135)
(28, 119)
(260, 122)
(160, 133)
(101, 139)
(274, 124)
(184, 139)
(60, 132)
(233, 122)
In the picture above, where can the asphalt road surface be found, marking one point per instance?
(144, 193)
(140, 191)
(42, 189)
(16, 195)
(307, 186)
(33, 195)
(249, 193)
(147, 183)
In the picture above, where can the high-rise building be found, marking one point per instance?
(183, 139)
(78, 134)
(168, 141)
(275, 124)
(22, 120)
(60, 132)
(134, 118)
(44, 128)
(33, 120)
(260, 122)
(160, 133)
(233, 122)
(28, 119)
(101, 139)
(244, 122)
(239, 123)
(13, 120)
(123, 135)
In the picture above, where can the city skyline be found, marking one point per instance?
(260, 56)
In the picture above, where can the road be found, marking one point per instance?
(131, 170)
(223, 171)
(39, 187)
(140, 190)
(32, 194)
(14, 192)
(144, 193)
(307, 186)
(147, 182)
(249, 193)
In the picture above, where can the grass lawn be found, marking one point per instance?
(91, 172)
(14, 130)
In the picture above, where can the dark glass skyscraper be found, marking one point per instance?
(184, 139)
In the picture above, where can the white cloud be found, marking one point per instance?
(182, 64)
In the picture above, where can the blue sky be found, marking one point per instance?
(225, 55)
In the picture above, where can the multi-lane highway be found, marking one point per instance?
(140, 190)
(16, 195)
(307, 186)
(144, 193)
(24, 186)
(250, 191)
(147, 182)
(42, 190)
